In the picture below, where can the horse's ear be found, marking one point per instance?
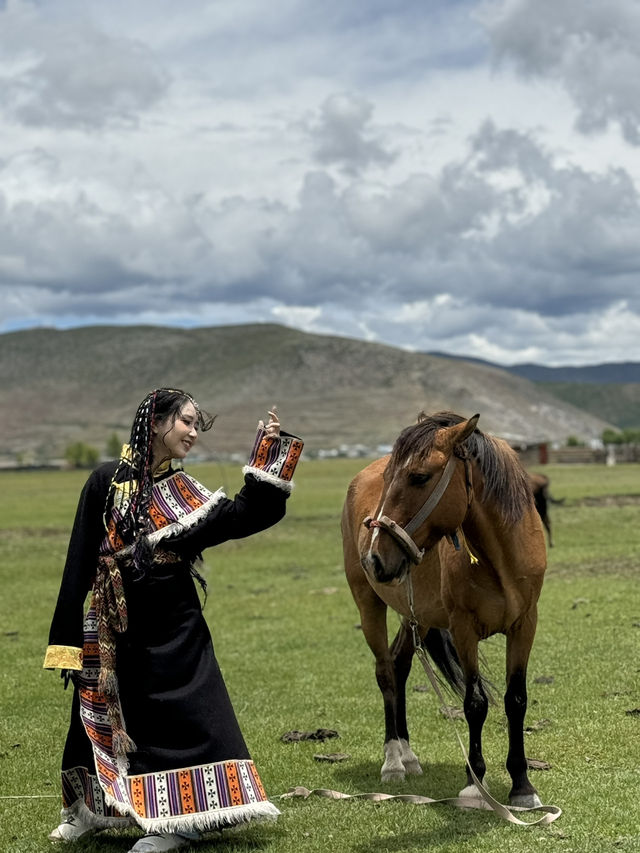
(458, 433)
(471, 425)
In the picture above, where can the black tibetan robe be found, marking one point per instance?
(187, 766)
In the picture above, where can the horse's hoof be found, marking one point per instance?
(392, 775)
(525, 801)
(469, 792)
(473, 798)
(409, 759)
(472, 792)
(393, 767)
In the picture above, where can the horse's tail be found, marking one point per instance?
(438, 643)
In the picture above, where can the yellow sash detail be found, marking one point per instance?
(62, 657)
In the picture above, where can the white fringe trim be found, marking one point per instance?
(200, 821)
(80, 810)
(188, 521)
(265, 476)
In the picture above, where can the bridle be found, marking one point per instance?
(403, 535)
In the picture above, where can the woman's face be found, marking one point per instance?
(174, 439)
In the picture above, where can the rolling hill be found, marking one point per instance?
(610, 391)
(84, 384)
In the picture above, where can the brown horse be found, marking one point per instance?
(539, 484)
(449, 515)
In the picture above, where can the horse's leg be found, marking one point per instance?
(402, 650)
(476, 703)
(519, 642)
(373, 617)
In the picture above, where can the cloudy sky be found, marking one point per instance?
(445, 175)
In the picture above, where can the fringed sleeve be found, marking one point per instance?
(274, 458)
(260, 503)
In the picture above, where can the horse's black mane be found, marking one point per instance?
(504, 480)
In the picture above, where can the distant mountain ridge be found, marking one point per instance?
(84, 384)
(609, 390)
(619, 372)
(622, 372)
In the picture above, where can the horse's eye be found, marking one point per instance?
(419, 479)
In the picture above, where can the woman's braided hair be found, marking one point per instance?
(132, 524)
(135, 467)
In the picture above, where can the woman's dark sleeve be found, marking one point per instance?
(258, 505)
(66, 633)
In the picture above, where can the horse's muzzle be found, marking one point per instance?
(376, 569)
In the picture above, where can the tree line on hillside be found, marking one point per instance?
(624, 436)
(82, 455)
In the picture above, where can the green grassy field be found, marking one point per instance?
(286, 635)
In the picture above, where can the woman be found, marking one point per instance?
(153, 739)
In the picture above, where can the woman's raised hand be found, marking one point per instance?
(272, 427)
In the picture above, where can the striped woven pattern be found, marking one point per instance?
(177, 500)
(276, 455)
(79, 784)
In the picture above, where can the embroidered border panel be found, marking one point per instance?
(79, 784)
(178, 499)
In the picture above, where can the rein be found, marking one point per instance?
(402, 535)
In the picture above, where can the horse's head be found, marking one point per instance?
(425, 496)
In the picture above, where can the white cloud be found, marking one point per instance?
(591, 48)
(299, 316)
(341, 135)
(60, 71)
(351, 170)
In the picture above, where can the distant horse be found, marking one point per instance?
(449, 515)
(539, 484)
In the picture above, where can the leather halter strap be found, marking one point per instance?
(399, 534)
(402, 535)
(434, 498)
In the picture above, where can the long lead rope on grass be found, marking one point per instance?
(29, 796)
(551, 812)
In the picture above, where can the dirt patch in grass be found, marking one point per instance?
(12, 534)
(608, 500)
(622, 566)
